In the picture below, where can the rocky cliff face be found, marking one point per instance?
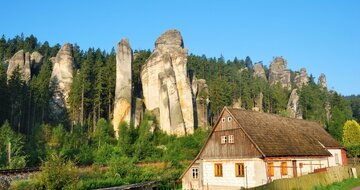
(259, 71)
(36, 57)
(322, 81)
(123, 92)
(301, 78)
(279, 73)
(60, 81)
(21, 60)
(166, 86)
(293, 107)
(202, 102)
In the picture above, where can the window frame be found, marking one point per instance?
(239, 170)
(229, 119)
(284, 168)
(223, 139)
(218, 170)
(231, 140)
(337, 159)
(195, 173)
(270, 169)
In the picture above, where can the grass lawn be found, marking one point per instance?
(347, 184)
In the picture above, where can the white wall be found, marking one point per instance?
(332, 158)
(308, 166)
(254, 173)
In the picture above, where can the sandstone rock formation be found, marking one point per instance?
(60, 81)
(322, 81)
(279, 73)
(301, 78)
(293, 107)
(123, 92)
(259, 71)
(202, 102)
(258, 103)
(236, 103)
(21, 60)
(166, 86)
(139, 112)
(36, 57)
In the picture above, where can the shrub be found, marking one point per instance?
(57, 173)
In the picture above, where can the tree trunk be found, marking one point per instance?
(82, 105)
(29, 114)
(94, 117)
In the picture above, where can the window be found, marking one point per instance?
(229, 119)
(284, 169)
(223, 139)
(231, 138)
(337, 159)
(271, 169)
(218, 170)
(195, 173)
(223, 119)
(239, 170)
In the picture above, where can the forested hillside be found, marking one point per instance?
(86, 135)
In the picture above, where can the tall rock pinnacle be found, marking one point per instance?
(61, 80)
(123, 92)
(279, 73)
(21, 60)
(322, 81)
(166, 86)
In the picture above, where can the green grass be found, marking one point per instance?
(347, 184)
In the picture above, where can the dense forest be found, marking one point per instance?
(86, 136)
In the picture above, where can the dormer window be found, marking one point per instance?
(223, 120)
(229, 119)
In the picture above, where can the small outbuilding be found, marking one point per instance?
(248, 149)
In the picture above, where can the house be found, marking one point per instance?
(249, 149)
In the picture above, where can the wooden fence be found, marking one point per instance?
(332, 175)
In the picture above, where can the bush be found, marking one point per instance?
(123, 168)
(28, 184)
(56, 173)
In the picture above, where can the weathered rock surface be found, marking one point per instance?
(60, 81)
(322, 81)
(293, 107)
(258, 103)
(259, 71)
(236, 103)
(21, 60)
(123, 92)
(301, 78)
(166, 86)
(36, 57)
(139, 112)
(202, 102)
(279, 73)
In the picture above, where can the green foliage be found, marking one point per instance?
(17, 154)
(103, 153)
(122, 167)
(351, 133)
(347, 184)
(57, 173)
(104, 132)
(341, 111)
(313, 101)
(355, 106)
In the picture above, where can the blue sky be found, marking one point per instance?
(322, 36)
